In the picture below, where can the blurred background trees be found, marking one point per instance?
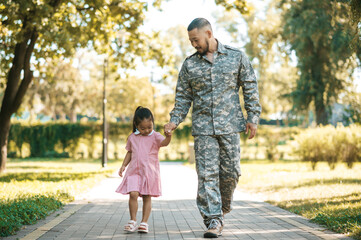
(36, 33)
(321, 34)
(306, 55)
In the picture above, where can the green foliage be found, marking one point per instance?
(27, 210)
(320, 33)
(64, 26)
(32, 189)
(356, 20)
(330, 197)
(330, 144)
(59, 89)
(44, 138)
(270, 59)
(340, 214)
(184, 132)
(239, 5)
(273, 137)
(62, 140)
(33, 32)
(344, 221)
(55, 154)
(353, 112)
(109, 28)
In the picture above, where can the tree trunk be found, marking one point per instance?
(73, 117)
(318, 75)
(63, 117)
(321, 113)
(15, 90)
(4, 133)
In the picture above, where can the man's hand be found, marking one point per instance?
(253, 128)
(169, 127)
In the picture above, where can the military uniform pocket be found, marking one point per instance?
(230, 79)
(197, 82)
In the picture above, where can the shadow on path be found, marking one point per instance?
(101, 214)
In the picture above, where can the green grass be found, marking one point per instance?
(328, 197)
(31, 189)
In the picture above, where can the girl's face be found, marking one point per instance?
(145, 127)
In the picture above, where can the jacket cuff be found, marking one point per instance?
(175, 120)
(252, 118)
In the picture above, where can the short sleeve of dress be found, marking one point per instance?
(128, 146)
(159, 138)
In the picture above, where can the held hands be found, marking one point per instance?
(253, 128)
(167, 134)
(121, 170)
(168, 128)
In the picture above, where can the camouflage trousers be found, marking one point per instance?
(218, 169)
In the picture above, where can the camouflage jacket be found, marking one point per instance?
(213, 88)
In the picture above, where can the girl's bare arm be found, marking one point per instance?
(166, 141)
(126, 161)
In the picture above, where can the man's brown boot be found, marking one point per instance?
(214, 230)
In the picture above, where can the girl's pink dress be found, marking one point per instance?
(142, 174)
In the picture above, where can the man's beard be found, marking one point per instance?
(205, 50)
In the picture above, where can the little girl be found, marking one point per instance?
(142, 178)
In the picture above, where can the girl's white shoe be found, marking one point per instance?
(131, 226)
(143, 227)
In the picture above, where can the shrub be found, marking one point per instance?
(55, 154)
(44, 139)
(27, 210)
(273, 137)
(272, 152)
(330, 144)
(12, 154)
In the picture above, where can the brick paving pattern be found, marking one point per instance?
(101, 214)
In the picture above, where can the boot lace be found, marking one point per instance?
(214, 223)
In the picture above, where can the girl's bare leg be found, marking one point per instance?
(133, 205)
(147, 208)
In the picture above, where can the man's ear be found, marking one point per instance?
(209, 33)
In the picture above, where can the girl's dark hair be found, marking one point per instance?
(140, 114)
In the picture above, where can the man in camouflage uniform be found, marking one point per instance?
(211, 78)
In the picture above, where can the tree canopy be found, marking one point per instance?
(33, 31)
(276, 73)
(321, 34)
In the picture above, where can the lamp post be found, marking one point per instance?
(153, 92)
(119, 37)
(105, 128)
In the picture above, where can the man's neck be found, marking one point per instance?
(213, 46)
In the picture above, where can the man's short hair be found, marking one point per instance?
(198, 23)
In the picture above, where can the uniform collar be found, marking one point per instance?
(220, 49)
(137, 132)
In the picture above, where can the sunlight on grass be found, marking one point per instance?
(38, 177)
(32, 189)
(329, 197)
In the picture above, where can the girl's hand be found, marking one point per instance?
(169, 127)
(168, 134)
(121, 170)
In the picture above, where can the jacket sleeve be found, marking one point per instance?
(249, 85)
(183, 97)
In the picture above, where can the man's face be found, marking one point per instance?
(199, 39)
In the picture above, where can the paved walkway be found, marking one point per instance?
(101, 214)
